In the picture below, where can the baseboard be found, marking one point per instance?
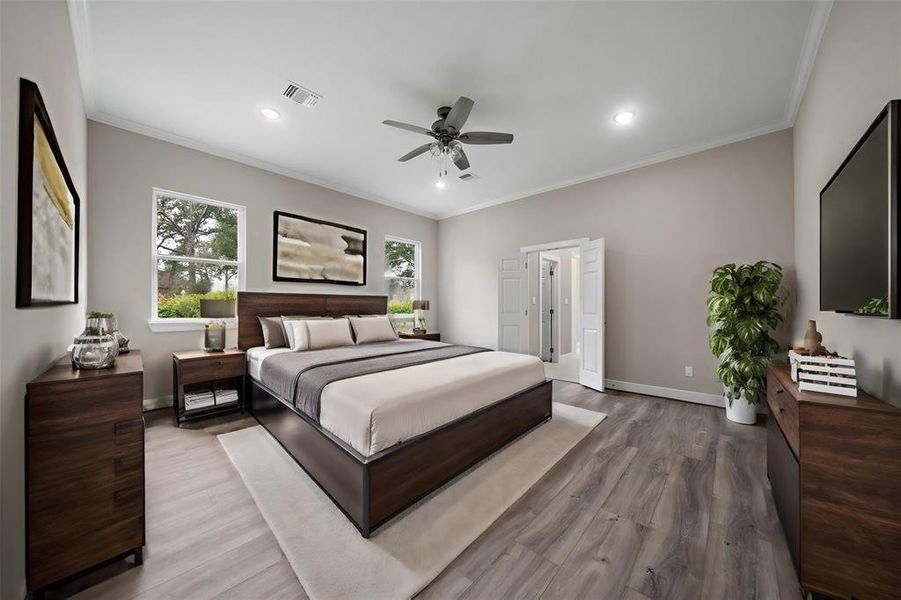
(157, 403)
(665, 392)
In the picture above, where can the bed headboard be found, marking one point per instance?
(273, 304)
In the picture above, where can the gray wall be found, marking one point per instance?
(667, 226)
(125, 166)
(35, 43)
(857, 70)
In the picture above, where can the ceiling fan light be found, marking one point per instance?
(440, 184)
(624, 117)
(270, 113)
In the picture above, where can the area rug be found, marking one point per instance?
(328, 554)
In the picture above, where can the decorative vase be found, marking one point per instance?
(120, 338)
(96, 347)
(740, 410)
(813, 338)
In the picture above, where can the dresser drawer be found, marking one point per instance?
(211, 369)
(88, 456)
(57, 407)
(785, 410)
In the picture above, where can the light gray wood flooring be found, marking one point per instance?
(663, 500)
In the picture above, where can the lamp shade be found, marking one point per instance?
(420, 305)
(217, 309)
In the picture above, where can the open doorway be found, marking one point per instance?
(551, 305)
(557, 312)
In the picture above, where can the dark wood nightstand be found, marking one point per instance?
(207, 383)
(431, 336)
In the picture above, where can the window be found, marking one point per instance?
(198, 253)
(402, 270)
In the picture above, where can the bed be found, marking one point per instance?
(379, 441)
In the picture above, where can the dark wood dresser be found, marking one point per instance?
(834, 465)
(84, 460)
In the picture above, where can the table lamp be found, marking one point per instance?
(419, 325)
(216, 311)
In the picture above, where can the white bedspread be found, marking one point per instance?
(374, 412)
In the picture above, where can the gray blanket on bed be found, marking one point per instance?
(300, 377)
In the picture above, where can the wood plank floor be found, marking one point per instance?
(663, 500)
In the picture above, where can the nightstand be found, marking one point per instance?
(431, 336)
(207, 383)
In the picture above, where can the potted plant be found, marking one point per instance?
(743, 308)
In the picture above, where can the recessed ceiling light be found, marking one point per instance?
(440, 184)
(624, 118)
(270, 113)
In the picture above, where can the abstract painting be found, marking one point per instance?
(310, 250)
(48, 220)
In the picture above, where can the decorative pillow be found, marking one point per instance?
(289, 332)
(372, 329)
(329, 333)
(273, 332)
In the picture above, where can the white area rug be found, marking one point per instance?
(328, 554)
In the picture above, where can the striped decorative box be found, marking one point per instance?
(824, 374)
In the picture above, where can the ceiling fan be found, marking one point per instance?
(448, 135)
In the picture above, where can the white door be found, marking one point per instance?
(591, 308)
(512, 323)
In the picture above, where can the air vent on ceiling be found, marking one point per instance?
(301, 95)
(468, 176)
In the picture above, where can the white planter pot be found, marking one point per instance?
(740, 411)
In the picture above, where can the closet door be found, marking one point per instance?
(512, 325)
(591, 322)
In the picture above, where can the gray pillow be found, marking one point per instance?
(273, 332)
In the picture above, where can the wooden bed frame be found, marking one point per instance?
(370, 490)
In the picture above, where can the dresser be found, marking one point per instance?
(84, 460)
(834, 465)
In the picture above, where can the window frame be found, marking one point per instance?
(417, 280)
(158, 324)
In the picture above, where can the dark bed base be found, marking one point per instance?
(371, 490)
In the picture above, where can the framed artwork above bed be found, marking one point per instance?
(314, 251)
(48, 210)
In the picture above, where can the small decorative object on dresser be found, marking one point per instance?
(206, 384)
(424, 335)
(84, 469)
(97, 346)
(419, 325)
(214, 332)
(812, 339)
(827, 374)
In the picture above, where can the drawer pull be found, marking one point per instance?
(123, 427)
(780, 391)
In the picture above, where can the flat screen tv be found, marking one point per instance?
(859, 217)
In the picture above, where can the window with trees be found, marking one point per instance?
(197, 253)
(402, 270)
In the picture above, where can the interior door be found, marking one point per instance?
(547, 310)
(512, 291)
(591, 317)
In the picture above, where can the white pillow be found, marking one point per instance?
(304, 344)
(373, 329)
(329, 333)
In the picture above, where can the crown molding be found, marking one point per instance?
(215, 150)
(84, 51)
(815, 29)
(645, 162)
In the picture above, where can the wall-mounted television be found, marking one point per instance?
(859, 225)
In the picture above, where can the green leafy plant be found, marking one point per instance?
(187, 305)
(876, 306)
(743, 308)
(400, 307)
(94, 314)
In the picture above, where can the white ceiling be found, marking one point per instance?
(697, 75)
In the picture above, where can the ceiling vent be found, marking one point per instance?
(468, 176)
(301, 95)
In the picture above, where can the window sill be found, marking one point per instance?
(172, 325)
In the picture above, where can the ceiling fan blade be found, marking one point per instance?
(408, 127)
(456, 118)
(415, 153)
(486, 137)
(462, 162)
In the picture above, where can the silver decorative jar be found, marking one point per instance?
(120, 337)
(97, 346)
